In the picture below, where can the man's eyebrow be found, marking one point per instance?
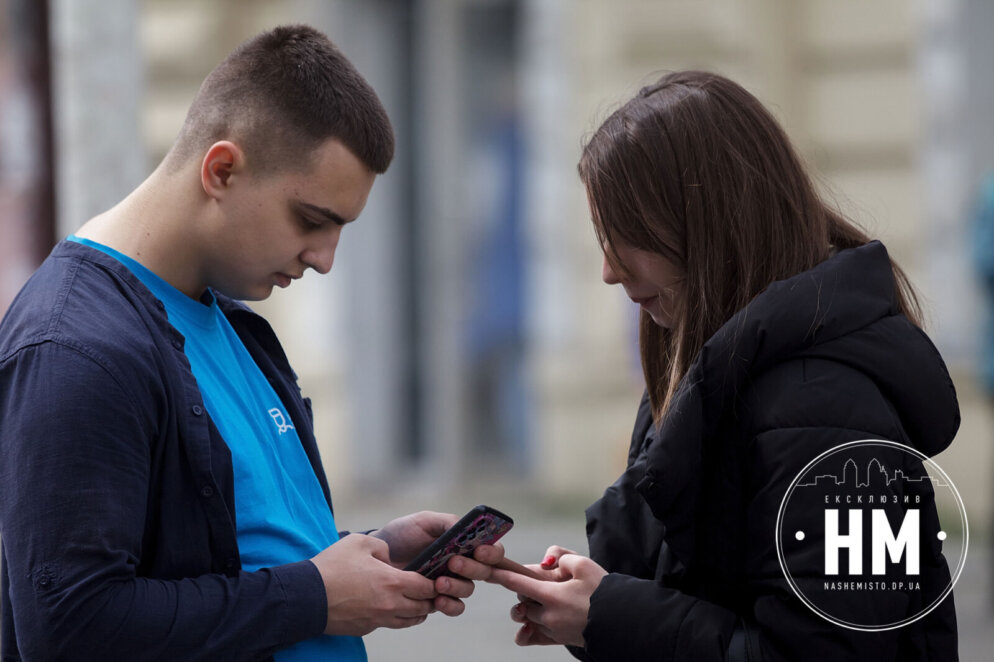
(321, 211)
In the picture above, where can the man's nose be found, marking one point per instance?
(321, 257)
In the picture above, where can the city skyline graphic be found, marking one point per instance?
(876, 476)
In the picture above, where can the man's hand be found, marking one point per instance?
(407, 536)
(365, 592)
(478, 568)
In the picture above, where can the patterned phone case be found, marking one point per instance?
(480, 526)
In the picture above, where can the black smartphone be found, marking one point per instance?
(482, 525)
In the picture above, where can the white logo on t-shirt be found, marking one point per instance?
(280, 420)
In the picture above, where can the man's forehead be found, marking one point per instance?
(335, 186)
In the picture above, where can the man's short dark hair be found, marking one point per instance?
(279, 96)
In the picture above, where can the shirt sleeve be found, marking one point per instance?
(74, 486)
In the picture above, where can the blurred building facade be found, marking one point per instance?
(464, 335)
(27, 187)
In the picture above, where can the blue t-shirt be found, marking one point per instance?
(282, 515)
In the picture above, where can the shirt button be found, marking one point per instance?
(177, 343)
(197, 410)
(208, 491)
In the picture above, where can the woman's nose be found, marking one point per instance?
(607, 273)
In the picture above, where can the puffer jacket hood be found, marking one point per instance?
(844, 309)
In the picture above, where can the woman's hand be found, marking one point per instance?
(553, 611)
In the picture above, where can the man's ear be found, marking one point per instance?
(222, 160)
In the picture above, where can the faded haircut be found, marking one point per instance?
(279, 96)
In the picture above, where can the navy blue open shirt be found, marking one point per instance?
(117, 515)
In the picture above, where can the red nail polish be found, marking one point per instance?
(548, 561)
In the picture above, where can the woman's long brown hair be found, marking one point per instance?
(696, 169)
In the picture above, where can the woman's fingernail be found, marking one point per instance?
(548, 561)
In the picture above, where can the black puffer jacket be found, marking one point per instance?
(688, 531)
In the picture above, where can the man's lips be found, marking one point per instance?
(284, 280)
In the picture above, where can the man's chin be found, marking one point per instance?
(260, 293)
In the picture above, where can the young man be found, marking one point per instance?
(161, 494)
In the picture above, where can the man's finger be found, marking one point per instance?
(435, 524)
(378, 548)
(417, 587)
(533, 571)
(454, 587)
(489, 554)
(449, 606)
(414, 608)
(400, 622)
(470, 569)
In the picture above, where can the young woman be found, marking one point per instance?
(772, 330)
